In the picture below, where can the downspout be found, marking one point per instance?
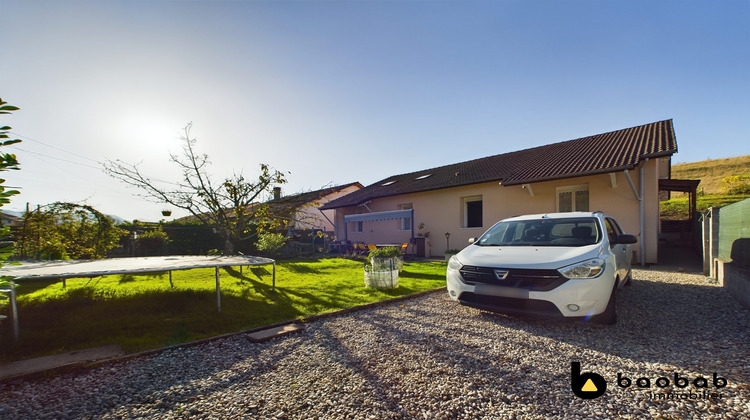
(411, 241)
(343, 221)
(641, 210)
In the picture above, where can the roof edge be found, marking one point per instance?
(553, 178)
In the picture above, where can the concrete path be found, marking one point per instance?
(57, 361)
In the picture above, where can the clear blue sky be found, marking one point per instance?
(341, 91)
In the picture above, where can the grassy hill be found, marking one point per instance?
(712, 191)
(711, 172)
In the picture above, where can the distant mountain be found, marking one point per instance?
(118, 220)
(19, 215)
(13, 213)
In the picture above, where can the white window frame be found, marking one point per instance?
(356, 227)
(572, 189)
(465, 211)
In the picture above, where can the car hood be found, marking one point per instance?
(539, 257)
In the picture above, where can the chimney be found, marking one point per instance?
(276, 193)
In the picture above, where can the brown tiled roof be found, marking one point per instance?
(291, 202)
(601, 153)
(288, 203)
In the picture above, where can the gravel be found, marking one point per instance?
(429, 357)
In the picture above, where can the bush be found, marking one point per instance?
(270, 242)
(387, 252)
(736, 184)
(150, 242)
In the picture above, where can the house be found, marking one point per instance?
(440, 208)
(11, 218)
(303, 210)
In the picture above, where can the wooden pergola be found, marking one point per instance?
(689, 186)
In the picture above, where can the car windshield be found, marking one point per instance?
(579, 231)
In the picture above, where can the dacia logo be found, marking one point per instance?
(501, 274)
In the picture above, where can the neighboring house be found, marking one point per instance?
(616, 172)
(303, 210)
(12, 219)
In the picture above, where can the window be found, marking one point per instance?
(472, 212)
(357, 227)
(405, 223)
(573, 232)
(613, 229)
(573, 198)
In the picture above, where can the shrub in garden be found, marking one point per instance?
(270, 243)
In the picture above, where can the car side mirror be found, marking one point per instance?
(625, 239)
(472, 240)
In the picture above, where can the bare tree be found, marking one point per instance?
(230, 205)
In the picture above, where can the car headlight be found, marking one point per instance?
(454, 263)
(584, 270)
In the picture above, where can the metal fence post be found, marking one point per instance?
(14, 311)
(218, 290)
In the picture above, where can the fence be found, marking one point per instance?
(726, 248)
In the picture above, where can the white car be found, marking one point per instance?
(558, 264)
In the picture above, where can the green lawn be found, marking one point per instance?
(144, 312)
(678, 208)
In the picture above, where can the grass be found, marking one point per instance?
(678, 208)
(711, 172)
(711, 190)
(144, 312)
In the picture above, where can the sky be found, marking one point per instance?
(333, 92)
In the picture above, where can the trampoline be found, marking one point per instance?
(67, 269)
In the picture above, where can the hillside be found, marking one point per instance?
(711, 172)
(711, 192)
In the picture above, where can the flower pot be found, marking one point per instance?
(382, 274)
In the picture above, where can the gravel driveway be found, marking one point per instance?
(428, 357)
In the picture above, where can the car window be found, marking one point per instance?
(613, 229)
(578, 231)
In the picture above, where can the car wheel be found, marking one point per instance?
(609, 316)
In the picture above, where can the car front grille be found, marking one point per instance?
(509, 305)
(529, 279)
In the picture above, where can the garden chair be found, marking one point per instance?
(371, 247)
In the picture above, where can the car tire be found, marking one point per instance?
(609, 316)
